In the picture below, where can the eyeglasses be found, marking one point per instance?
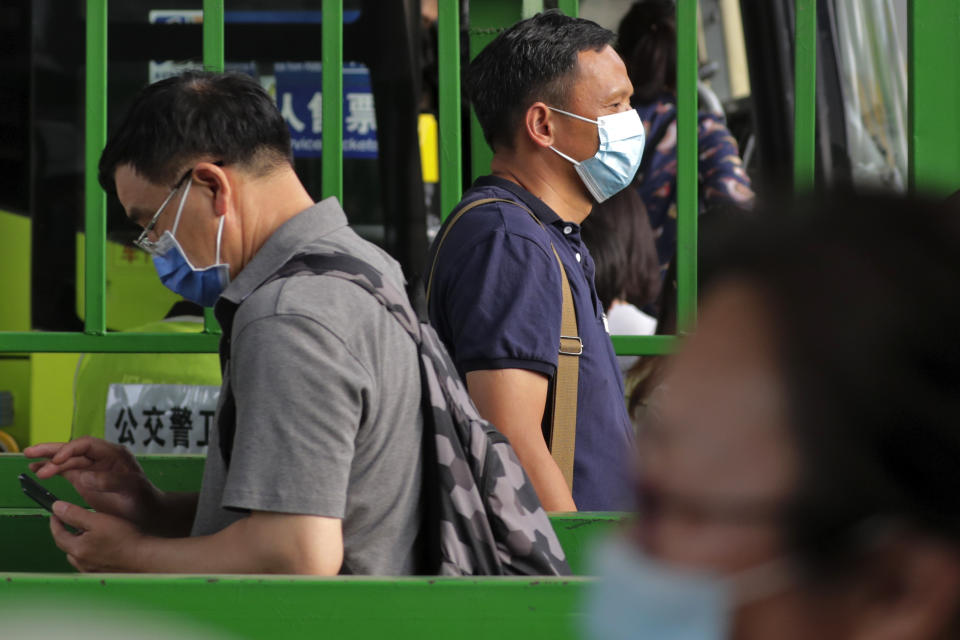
(143, 241)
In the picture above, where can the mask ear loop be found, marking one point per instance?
(573, 115)
(564, 156)
(183, 201)
(219, 236)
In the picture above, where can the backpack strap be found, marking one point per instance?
(361, 273)
(341, 265)
(563, 412)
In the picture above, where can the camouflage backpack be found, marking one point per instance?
(481, 512)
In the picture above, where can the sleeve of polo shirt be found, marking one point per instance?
(299, 397)
(504, 305)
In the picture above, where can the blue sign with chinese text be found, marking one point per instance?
(300, 100)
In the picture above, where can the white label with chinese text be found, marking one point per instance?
(161, 418)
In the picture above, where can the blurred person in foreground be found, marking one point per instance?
(645, 374)
(798, 474)
(647, 42)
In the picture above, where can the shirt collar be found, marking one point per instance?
(545, 214)
(290, 238)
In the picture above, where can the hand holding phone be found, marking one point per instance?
(35, 491)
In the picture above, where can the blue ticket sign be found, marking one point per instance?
(300, 100)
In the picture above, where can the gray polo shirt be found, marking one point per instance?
(327, 391)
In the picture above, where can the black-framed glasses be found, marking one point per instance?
(143, 241)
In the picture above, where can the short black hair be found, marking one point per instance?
(618, 234)
(535, 59)
(198, 113)
(647, 42)
(862, 294)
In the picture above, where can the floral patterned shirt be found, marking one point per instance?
(721, 175)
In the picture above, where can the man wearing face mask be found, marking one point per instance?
(553, 99)
(314, 463)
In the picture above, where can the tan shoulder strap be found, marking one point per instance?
(563, 413)
(443, 236)
(563, 431)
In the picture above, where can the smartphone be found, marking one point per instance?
(36, 492)
(41, 496)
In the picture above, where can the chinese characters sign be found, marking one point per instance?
(161, 418)
(300, 100)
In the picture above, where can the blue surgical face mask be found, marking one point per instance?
(613, 167)
(638, 597)
(202, 286)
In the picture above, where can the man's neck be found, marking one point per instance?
(556, 190)
(272, 200)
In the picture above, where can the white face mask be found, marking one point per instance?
(637, 597)
(618, 157)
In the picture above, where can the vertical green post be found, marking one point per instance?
(451, 148)
(213, 60)
(569, 7)
(804, 95)
(95, 200)
(934, 93)
(687, 181)
(332, 58)
(213, 41)
(487, 19)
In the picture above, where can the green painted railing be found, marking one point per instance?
(25, 527)
(934, 96)
(490, 16)
(687, 181)
(257, 607)
(805, 95)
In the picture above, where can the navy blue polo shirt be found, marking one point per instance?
(496, 303)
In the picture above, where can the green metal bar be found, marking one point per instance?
(451, 146)
(934, 93)
(687, 181)
(569, 7)
(332, 153)
(644, 345)
(95, 200)
(530, 8)
(213, 60)
(213, 41)
(71, 342)
(288, 607)
(804, 95)
(487, 19)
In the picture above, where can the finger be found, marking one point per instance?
(61, 537)
(78, 462)
(42, 450)
(44, 470)
(75, 516)
(85, 446)
(75, 563)
(50, 469)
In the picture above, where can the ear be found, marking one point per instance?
(910, 590)
(539, 124)
(217, 180)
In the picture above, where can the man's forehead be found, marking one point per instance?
(601, 75)
(135, 192)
